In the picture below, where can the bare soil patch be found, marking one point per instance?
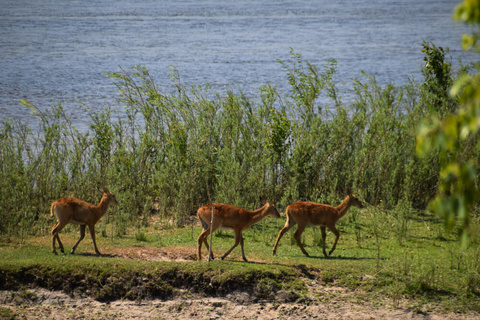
(183, 254)
(43, 304)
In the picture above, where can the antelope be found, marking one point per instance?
(72, 210)
(314, 214)
(230, 217)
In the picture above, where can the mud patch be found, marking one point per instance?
(183, 254)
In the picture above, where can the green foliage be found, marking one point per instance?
(438, 79)
(455, 137)
(307, 85)
(141, 236)
(467, 11)
(7, 313)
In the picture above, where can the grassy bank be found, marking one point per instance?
(423, 268)
(168, 154)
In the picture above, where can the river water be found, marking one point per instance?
(57, 51)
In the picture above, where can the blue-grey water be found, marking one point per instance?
(56, 51)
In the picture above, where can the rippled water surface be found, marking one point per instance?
(54, 51)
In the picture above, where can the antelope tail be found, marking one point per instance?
(51, 211)
(204, 224)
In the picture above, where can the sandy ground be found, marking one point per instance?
(57, 305)
(339, 303)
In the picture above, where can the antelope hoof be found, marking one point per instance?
(55, 252)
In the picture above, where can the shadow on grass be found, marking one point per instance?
(343, 258)
(90, 254)
(300, 265)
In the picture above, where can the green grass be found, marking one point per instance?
(424, 266)
(7, 313)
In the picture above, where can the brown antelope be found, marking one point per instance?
(229, 217)
(72, 210)
(314, 214)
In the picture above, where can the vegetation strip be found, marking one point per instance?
(114, 282)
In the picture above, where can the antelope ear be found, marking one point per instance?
(262, 201)
(102, 191)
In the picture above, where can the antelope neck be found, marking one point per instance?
(344, 206)
(103, 205)
(259, 213)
